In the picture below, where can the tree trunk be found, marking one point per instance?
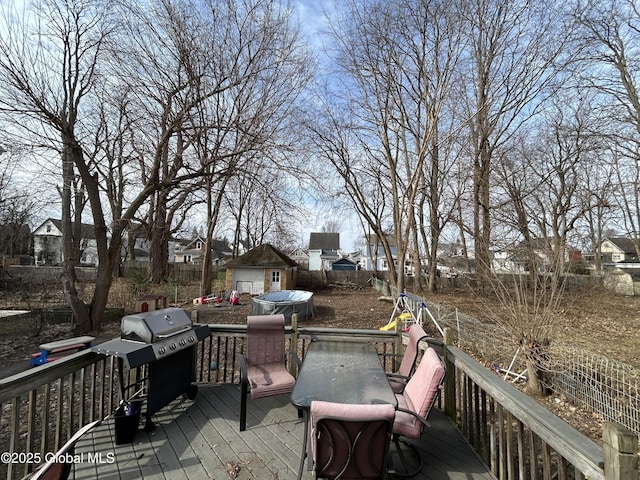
(159, 241)
(70, 249)
(534, 386)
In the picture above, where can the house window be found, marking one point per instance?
(198, 244)
(275, 276)
(48, 228)
(187, 259)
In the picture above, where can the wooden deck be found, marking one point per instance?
(199, 439)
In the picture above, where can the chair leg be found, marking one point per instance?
(243, 406)
(409, 467)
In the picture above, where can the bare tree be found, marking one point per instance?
(528, 313)
(44, 85)
(47, 85)
(610, 31)
(17, 206)
(399, 58)
(515, 52)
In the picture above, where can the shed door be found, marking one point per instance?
(248, 280)
(275, 281)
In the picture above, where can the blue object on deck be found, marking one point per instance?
(60, 346)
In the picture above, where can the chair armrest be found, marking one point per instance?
(295, 357)
(413, 414)
(397, 376)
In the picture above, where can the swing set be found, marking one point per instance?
(410, 310)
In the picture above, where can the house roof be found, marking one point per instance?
(623, 243)
(190, 244)
(344, 261)
(324, 241)
(87, 229)
(373, 239)
(298, 253)
(262, 256)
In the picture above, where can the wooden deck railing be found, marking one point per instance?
(516, 437)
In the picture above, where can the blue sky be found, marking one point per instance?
(312, 16)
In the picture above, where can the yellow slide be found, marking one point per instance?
(389, 326)
(403, 317)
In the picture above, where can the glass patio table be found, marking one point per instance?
(340, 372)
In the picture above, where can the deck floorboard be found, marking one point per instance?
(199, 439)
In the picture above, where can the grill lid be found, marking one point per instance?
(151, 327)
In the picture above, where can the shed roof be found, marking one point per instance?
(262, 256)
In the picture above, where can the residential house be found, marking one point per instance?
(323, 250)
(260, 270)
(47, 244)
(618, 249)
(191, 251)
(373, 256)
(517, 259)
(508, 261)
(301, 257)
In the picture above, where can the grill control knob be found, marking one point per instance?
(183, 342)
(191, 339)
(162, 350)
(173, 346)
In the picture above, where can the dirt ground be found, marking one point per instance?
(597, 321)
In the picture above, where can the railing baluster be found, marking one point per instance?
(533, 456)
(15, 432)
(546, 461)
(522, 471)
(31, 426)
(44, 437)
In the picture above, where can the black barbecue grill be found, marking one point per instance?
(165, 341)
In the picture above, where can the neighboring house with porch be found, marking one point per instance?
(323, 250)
(617, 249)
(191, 251)
(47, 244)
(260, 270)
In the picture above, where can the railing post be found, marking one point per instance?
(294, 343)
(450, 378)
(398, 348)
(620, 447)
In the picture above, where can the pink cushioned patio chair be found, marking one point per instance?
(398, 380)
(414, 405)
(263, 369)
(350, 441)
